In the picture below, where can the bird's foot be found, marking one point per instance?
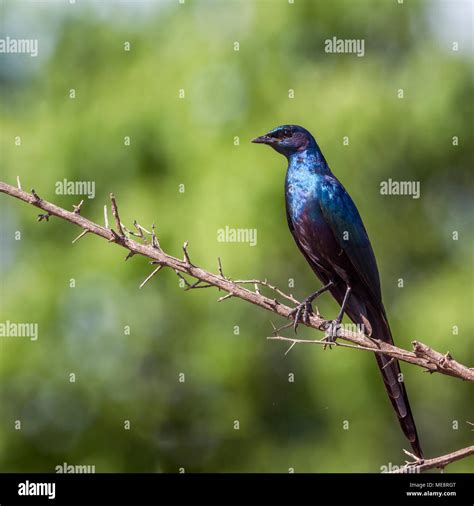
(332, 328)
(302, 312)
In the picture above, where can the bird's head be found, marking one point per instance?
(287, 139)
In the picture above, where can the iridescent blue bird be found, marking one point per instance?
(329, 231)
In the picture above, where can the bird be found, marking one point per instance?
(328, 230)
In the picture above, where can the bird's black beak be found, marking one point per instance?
(263, 139)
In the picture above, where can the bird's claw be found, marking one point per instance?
(302, 313)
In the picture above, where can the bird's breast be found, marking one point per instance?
(301, 194)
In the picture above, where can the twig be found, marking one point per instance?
(423, 356)
(419, 465)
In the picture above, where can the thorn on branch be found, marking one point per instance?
(116, 215)
(106, 217)
(219, 267)
(18, 183)
(154, 240)
(276, 331)
(130, 255)
(141, 229)
(115, 237)
(290, 348)
(35, 195)
(158, 269)
(445, 359)
(44, 217)
(186, 254)
(258, 282)
(225, 297)
(388, 363)
(126, 231)
(190, 286)
(82, 234)
(180, 276)
(77, 209)
(416, 459)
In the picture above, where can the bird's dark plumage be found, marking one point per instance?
(329, 231)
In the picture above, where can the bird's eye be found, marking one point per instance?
(283, 133)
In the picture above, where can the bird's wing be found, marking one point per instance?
(342, 216)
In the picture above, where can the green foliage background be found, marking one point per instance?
(190, 142)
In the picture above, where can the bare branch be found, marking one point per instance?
(422, 356)
(419, 465)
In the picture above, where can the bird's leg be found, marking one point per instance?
(334, 325)
(305, 308)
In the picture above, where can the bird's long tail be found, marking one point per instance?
(393, 379)
(359, 313)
